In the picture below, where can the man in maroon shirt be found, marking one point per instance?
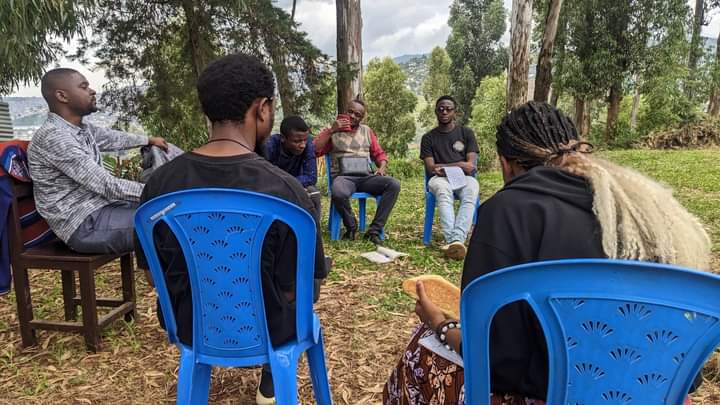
(347, 137)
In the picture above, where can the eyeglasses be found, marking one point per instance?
(443, 109)
(356, 114)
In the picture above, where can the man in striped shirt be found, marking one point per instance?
(86, 206)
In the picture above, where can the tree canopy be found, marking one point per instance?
(390, 105)
(32, 33)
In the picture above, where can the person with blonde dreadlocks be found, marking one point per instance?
(559, 202)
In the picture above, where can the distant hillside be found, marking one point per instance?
(415, 67)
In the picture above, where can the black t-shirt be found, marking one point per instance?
(247, 172)
(544, 214)
(451, 147)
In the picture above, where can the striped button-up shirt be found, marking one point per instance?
(69, 180)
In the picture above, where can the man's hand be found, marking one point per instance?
(340, 123)
(429, 313)
(159, 142)
(439, 171)
(467, 167)
(380, 171)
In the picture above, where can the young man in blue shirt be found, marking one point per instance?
(293, 151)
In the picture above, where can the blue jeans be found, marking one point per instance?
(454, 228)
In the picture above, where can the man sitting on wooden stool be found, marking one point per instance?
(87, 207)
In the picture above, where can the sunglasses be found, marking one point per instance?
(443, 109)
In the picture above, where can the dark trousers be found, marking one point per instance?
(385, 186)
(107, 230)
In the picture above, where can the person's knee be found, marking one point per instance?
(393, 185)
(471, 189)
(439, 187)
(340, 191)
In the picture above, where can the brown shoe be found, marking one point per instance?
(456, 250)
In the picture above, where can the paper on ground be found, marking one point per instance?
(383, 255)
(391, 254)
(433, 344)
(455, 176)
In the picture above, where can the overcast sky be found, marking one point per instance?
(390, 28)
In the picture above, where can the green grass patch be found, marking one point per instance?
(693, 174)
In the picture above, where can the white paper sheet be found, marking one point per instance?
(376, 257)
(433, 344)
(456, 177)
(382, 255)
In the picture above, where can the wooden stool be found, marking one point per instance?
(57, 256)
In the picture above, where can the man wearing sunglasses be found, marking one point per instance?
(451, 145)
(348, 141)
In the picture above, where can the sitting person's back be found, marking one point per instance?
(229, 160)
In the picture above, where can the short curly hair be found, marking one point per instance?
(229, 85)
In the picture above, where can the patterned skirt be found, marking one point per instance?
(422, 377)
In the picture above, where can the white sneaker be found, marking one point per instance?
(260, 399)
(456, 250)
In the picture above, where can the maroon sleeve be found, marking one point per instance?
(377, 154)
(328, 146)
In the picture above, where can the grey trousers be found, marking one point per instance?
(107, 230)
(344, 186)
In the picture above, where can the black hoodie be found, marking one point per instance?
(543, 214)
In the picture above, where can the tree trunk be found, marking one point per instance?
(521, 24)
(582, 116)
(635, 106)
(292, 15)
(714, 106)
(695, 45)
(200, 47)
(543, 76)
(349, 52)
(554, 96)
(288, 100)
(614, 100)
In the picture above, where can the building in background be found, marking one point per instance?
(6, 128)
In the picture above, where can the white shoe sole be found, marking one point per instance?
(260, 399)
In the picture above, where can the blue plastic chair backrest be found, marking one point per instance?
(221, 232)
(616, 331)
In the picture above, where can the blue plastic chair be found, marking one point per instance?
(616, 331)
(221, 233)
(335, 220)
(430, 211)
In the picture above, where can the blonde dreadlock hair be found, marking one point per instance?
(639, 218)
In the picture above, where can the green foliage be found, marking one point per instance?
(153, 53)
(666, 80)
(390, 105)
(488, 109)
(474, 47)
(436, 84)
(31, 32)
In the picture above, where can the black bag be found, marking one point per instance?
(354, 166)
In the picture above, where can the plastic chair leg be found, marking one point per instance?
(284, 381)
(318, 372)
(193, 385)
(334, 223)
(477, 207)
(429, 216)
(361, 213)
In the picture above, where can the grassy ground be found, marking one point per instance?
(367, 318)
